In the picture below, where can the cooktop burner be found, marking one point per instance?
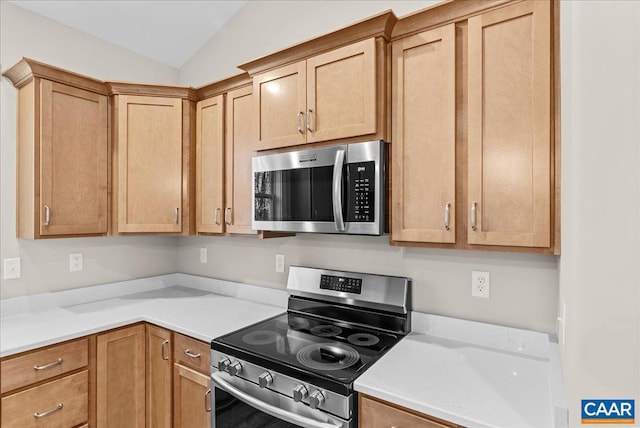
(326, 330)
(336, 350)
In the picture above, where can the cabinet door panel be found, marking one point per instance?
(280, 96)
(509, 125)
(158, 377)
(120, 377)
(192, 398)
(239, 144)
(210, 165)
(73, 160)
(341, 92)
(424, 157)
(376, 414)
(149, 164)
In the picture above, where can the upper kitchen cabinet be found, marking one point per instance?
(474, 162)
(329, 88)
(62, 152)
(226, 133)
(153, 174)
(510, 141)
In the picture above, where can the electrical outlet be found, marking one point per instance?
(12, 268)
(75, 262)
(280, 263)
(562, 324)
(203, 255)
(480, 284)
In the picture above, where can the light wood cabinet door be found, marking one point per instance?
(210, 165)
(280, 100)
(120, 378)
(239, 144)
(378, 414)
(509, 157)
(424, 140)
(192, 403)
(158, 377)
(73, 159)
(341, 93)
(149, 164)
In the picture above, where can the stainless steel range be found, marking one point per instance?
(297, 369)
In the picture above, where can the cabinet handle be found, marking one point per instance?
(217, 218)
(177, 215)
(48, 412)
(227, 216)
(47, 215)
(207, 400)
(309, 120)
(446, 215)
(473, 215)
(190, 354)
(165, 356)
(46, 366)
(300, 130)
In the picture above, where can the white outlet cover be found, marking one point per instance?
(280, 263)
(203, 255)
(480, 284)
(12, 268)
(75, 262)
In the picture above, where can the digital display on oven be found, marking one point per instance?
(341, 283)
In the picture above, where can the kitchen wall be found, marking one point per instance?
(45, 264)
(600, 262)
(524, 287)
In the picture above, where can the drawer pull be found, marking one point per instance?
(48, 412)
(189, 354)
(165, 355)
(47, 366)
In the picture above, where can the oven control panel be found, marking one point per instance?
(341, 283)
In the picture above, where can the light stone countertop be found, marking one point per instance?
(194, 310)
(472, 374)
(469, 373)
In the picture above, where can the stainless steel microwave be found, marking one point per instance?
(336, 189)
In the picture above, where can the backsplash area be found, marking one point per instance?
(524, 287)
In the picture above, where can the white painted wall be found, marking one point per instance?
(524, 287)
(600, 262)
(45, 264)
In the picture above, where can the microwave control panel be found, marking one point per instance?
(361, 192)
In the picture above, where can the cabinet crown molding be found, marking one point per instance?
(379, 25)
(26, 69)
(150, 89)
(222, 86)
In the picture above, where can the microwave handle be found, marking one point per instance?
(337, 190)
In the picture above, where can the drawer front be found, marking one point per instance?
(43, 364)
(185, 350)
(61, 403)
(376, 414)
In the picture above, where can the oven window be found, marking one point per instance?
(303, 194)
(233, 413)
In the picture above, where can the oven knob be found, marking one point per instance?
(265, 379)
(300, 393)
(234, 369)
(316, 399)
(223, 364)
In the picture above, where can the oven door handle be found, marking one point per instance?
(337, 189)
(274, 411)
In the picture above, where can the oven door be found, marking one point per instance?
(242, 404)
(337, 189)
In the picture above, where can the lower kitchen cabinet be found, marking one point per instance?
(120, 398)
(46, 387)
(192, 401)
(158, 377)
(375, 413)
